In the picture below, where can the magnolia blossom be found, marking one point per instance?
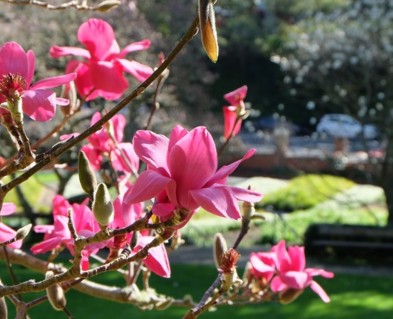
(286, 270)
(58, 235)
(100, 72)
(233, 114)
(16, 74)
(7, 233)
(108, 141)
(182, 173)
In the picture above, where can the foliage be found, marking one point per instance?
(304, 192)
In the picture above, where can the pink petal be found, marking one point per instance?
(298, 258)
(230, 119)
(192, 161)
(320, 291)
(319, 272)
(47, 229)
(40, 105)
(46, 245)
(227, 170)
(7, 209)
(245, 194)
(125, 159)
(296, 279)
(119, 122)
(157, 259)
(98, 37)
(138, 70)
(262, 265)
(151, 148)
(277, 284)
(83, 82)
(13, 59)
(57, 52)
(283, 259)
(7, 233)
(53, 82)
(177, 133)
(136, 46)
(163, 209)
(217, 200)
(148, 185)
(31, 65)
(108, 79)
(237, 95)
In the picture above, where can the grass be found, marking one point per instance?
(305, 191)
(358, 204)
(353, 296)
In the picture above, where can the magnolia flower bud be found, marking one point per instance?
(22, 233)
(207, 25)
(69, 92)
(106, 5)
(102, 206)
(87, 178)
(219, 248)
(55, 294)
(3, 306)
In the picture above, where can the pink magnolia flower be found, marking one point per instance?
(100, 72)
(107, 142)
(233, 113)
(237, 96)
(7, 233)
(16, 74)
(157, 259)
(182, 173)
(58, 234)
(292, 271)
(263, 265)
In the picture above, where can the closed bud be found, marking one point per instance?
(87, 178)
(22, 233)
(3, 306)
(69, 92)
(102, 206)
(219, 248)
(207, 25)
(106, 5)
(55, 294)
(248, 210)
(289, 295)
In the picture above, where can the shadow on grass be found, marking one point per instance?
(353, 296)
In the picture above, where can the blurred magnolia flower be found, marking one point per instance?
(100, 72)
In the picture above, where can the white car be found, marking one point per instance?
(342, 125)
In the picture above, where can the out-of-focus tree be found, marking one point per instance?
(343, 62)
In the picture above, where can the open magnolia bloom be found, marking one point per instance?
(100, 71)
(285, 270)
(16, 74)
(182, 174)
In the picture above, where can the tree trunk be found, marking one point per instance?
(386, 179)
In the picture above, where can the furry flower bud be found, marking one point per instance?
(22, 233)
(219, 248)
(55, 294)
(107, 5)
(102, 206)
(87, 178)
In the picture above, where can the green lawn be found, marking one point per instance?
(353, 296)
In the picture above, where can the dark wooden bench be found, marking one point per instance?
(370, 243)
